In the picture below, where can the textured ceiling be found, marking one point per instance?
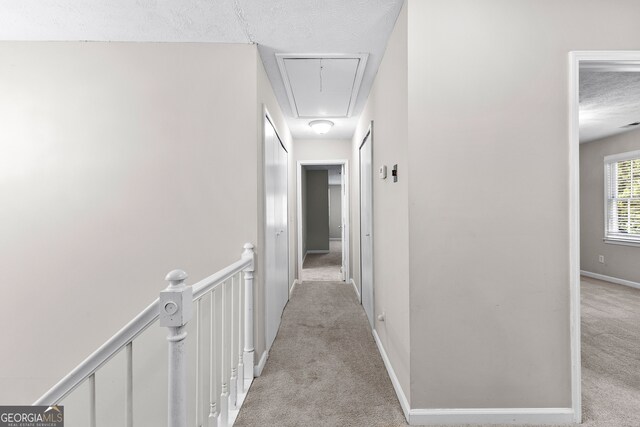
(291, 26)
(609, 100)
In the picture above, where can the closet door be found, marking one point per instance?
(366, 226)
(276, 231)
(283, 237)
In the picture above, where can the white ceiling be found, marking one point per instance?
(278, 26)
(609, 98)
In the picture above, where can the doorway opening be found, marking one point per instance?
(605, 233)
(323, 221)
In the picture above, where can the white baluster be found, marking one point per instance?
(233, 381)
(198, 366)
(92, 400)
(175, 311)
(248, 356)
(224, 395)
(213, 382)
(240, 334)
(128, 390)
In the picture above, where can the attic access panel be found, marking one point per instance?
(322, 85)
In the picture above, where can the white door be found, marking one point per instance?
(366, 226)
(276, 231)
(344, 225)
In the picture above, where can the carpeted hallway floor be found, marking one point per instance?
(324, 368)
(324, 267)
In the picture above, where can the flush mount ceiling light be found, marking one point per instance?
(321, 126)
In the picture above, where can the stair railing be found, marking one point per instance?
(231, 351)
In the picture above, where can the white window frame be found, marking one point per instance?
(609, 236)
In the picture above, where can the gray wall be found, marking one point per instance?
(488, 87)
(317, 210)
(335, 211)
(487, 287)
(387, 107)
(620, 261)
(101, 146)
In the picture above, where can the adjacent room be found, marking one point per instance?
(610, 239)
(322, 222)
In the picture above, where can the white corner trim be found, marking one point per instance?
(355, 288)
(402, 398)
(257, 370)
(535, 416)
(615, 280)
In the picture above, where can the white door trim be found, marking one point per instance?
(574, 209)
(345, 243)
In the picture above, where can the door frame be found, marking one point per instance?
(345, 244)
(575, 58)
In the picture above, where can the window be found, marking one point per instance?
(622, 192)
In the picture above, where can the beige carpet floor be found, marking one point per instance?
(610, 354)
(324, 368)
(324, 267)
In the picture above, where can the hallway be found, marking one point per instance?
(324, 368)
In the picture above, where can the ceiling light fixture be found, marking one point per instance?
(321, 126)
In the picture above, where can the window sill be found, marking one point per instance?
(611, 241)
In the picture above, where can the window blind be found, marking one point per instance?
(622, 188)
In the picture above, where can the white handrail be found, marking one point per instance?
(133, 329)
(101, 356)
(206, 285)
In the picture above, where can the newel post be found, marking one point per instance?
(175, 312)
(248, 354)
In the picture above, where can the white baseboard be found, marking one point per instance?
(295, 282)
(257, 370)
(404, 403)
(355, 288)
(610, 279)
(536, 416)
(316, 251)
